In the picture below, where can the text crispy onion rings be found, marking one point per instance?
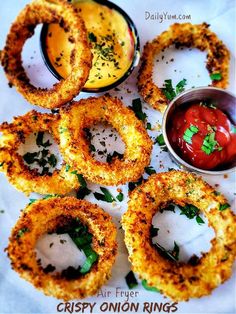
(44, 216)
(12, 164)
(185, 34)
(75, 149)
(47, 11)
(179, 281)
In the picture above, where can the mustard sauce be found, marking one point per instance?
(111, 40)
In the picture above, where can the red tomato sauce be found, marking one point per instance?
(203, 136)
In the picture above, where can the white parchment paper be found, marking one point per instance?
(17, 295)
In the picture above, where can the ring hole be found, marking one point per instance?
(49, 250)
(192, 238)
(74, 239)
(179, 64)
(105, 143)
(35, 68)
(40, 152)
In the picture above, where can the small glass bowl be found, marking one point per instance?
(136, 52)
(226, 102)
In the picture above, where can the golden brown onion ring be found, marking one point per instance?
(75, 148)
(179, 281)
(47, 11)
(12, 164)
(186, 34)
(43, 216)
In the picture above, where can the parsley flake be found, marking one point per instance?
(216, 76)
(149, 288)
(169, 90)
(189, 132)
(224, 206)
(105, 197)
(137, 108)
(120, 197)
(150, 170)
(21, 232)
(160, 140)
(131, 280)
(210, 144)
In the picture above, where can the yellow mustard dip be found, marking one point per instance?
(111, 40)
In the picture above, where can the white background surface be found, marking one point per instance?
(18, 296)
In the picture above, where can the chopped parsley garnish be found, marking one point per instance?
(46, 197)
(210, 144)
(180, 86)
(29, 158)
(208, 103)
(2, 163)
(81, 180)
(50, 268)
(169, 90)
(189, 132)
(216, 76)
(224, 206)
(71, 273)
(137, 108)
(131, 280)
(114, 155)
(169, 254)
(149, 127)
(160, 140)
(150, 170)
(67, 167)
(62, 130)
(92, 37)
(32, 200)
(154, 231)
(42, 159)
(105, 197)
(191, 211)
(133, 185)
(149, 288)
(21, 232)
(199, 220)
(83, 239)
(54, 110)
(92, 257)
(39, 140)
(170, 207)
(52, 160)
(83, 190)
(120, 197)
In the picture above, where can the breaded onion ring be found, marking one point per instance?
(12, 163)
(189, 35)
(179, 281)
(44, 216)
(47, 11)
(75, 147)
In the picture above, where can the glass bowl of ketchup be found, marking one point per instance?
(199, 129)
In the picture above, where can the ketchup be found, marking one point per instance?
(203, 136)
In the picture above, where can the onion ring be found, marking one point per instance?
(75, 149)
(44, 216)
(47, 11)
(189, 35)
(26, 180)
(179, 281)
